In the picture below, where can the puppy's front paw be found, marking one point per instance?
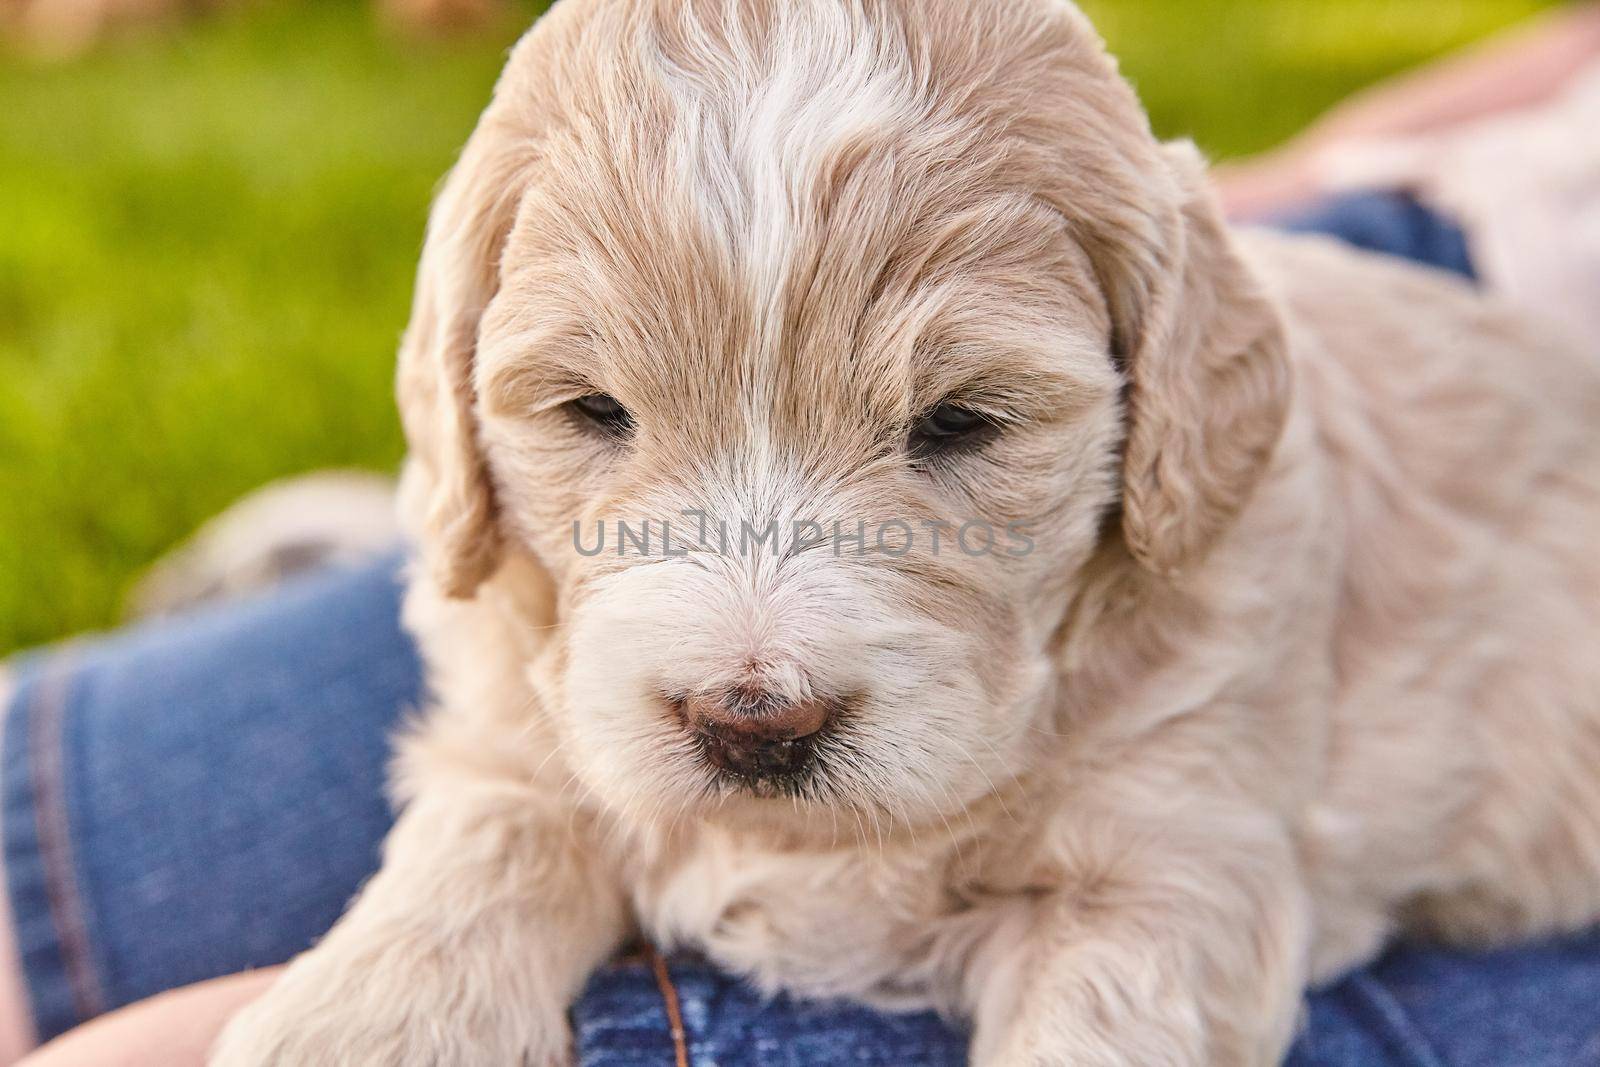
(322, 1014)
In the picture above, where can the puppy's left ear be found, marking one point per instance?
(447, 484)
(1208, 374)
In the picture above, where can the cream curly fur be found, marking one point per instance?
(1304, 656)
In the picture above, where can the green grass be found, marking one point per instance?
(207, 239)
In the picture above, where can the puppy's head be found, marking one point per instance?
(812, 348)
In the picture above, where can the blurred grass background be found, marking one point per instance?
(208, 233)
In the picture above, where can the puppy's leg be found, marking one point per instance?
(1179, 944)
(465, 949)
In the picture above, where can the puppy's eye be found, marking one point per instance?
(949, 428)
(602, 412)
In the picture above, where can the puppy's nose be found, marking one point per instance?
(753, 734)
(754, 716)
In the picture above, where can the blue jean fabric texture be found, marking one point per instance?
(1389, 221)
(196, 797)
(186, 800)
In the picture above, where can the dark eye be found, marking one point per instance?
(603, 413)
(948, 428)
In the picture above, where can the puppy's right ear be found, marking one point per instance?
(447, 486)
(1208, 373)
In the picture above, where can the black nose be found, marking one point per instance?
(754, 735)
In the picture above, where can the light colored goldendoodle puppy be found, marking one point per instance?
(1056, 608)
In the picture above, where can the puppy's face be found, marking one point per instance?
(800, 388)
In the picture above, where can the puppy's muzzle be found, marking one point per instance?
(754, 735)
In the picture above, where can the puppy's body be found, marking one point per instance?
(1303, 654)
(1460, 482)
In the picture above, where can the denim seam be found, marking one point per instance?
(672, 1003)
(9, 688)
(1395, 1026)
(45, 712)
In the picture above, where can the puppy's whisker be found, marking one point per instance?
(994, 790)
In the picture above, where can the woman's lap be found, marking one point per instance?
(1532, 1006)
(202, 796)
(190, 799)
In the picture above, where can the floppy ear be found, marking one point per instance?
(447, 492)
(1208, 377)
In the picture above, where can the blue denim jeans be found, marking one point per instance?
(201, 796)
